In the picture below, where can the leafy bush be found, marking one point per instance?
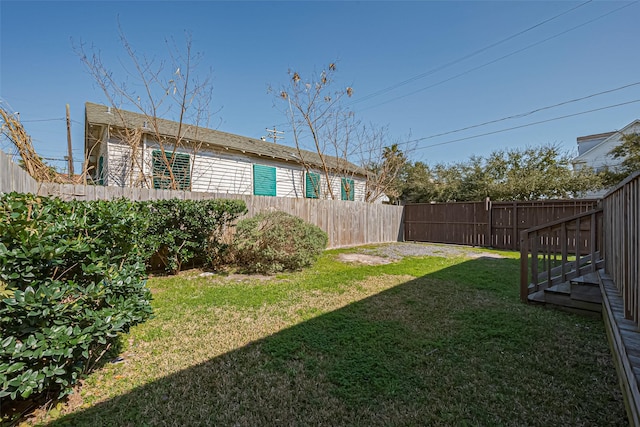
(71, 279)
(276, 241)
(72, 276)
(185, 232)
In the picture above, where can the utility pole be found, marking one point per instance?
(70, 157)
(273, 134)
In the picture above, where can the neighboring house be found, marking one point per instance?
(593, 150)
(208, 160)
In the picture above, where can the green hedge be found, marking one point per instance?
(189, 232)
(277, 241)
(71, 281)
(72, 277)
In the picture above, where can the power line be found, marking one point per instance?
(520, 115)
(455, 61)
(502, 57)
(523, 126)
(42, 120)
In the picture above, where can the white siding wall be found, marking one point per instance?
(598, 157)
(120, 169)
(360, 188)
(289, 181)
(222, 174)
(117, 164)
(216, 172)
(336, 186)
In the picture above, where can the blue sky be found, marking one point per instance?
(251, 45)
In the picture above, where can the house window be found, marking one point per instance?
(264, 180)
(101, 171)
(179, 165)
(312, 185)
(348, 189)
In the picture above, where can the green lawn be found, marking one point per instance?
(421, 341)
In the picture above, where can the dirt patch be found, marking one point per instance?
(236, 277)
(385, 254)
(363, 259)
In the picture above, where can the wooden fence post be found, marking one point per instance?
(524, 266)
(515, 226)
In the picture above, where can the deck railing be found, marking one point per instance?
(559, 251)
(622, 242)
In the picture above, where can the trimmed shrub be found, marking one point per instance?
(71, 279)
(276, 241)
(189, 232)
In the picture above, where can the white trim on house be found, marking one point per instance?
(597, 156)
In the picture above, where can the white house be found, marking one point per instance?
(207, 160)
(593, 150)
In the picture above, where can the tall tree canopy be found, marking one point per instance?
(515, 174)
(629, 151)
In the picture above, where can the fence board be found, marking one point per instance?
(493, 224)
(14, 178)
(347, 223)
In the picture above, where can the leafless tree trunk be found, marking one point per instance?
(385, 162)
(322, 124)
(170, 88)
(319, 122)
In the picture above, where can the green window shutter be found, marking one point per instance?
(100, 170)
(348, 189)
(180, 165)
(312, 185)
(264, 180)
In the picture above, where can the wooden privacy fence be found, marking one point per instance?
(490, 224)
(347, 223)
(14, 178)
(461, 223)
(621, 248)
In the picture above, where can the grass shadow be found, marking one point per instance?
(454, 347)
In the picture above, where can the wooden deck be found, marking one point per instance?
(624, 339)
(611, 261)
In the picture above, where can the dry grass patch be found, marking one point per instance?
(420, 341)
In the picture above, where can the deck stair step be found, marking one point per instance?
(560, 289)
(586, 293)
(579, 295)
(537, 297)
(589, 279)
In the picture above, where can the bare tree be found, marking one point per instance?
(320, 123)
(154, 88)
(385, 163)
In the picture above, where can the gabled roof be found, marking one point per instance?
(611, 136)
(97, 114)
(595, 136)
